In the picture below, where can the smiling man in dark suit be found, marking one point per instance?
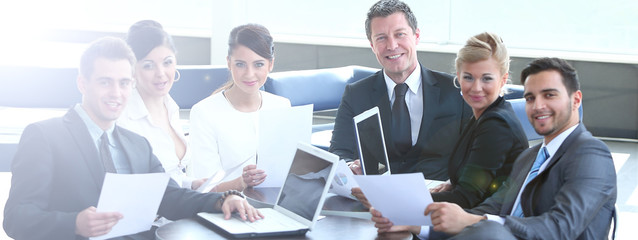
(60, 164)
(421, 110)
(563, 188)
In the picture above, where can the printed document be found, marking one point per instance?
(343, 181)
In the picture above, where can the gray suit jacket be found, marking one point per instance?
(444, 114)
(56, 173)
(573, 198)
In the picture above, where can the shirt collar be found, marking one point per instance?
(553, 145)
(94, 130)
(136, 108)
(413, 81)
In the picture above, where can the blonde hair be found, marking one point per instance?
(481, 47)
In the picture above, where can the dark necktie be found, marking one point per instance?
(540, 159)
(401, 120)
(105, 154)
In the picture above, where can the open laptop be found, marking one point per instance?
(372, 150)
(298, 203)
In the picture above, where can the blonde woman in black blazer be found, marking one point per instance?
(493, 138)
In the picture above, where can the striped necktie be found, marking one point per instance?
(540, 159)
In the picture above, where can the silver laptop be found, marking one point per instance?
(298, 203)
(372, 150)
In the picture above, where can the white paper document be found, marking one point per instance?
(402, 198)
(280, 130)
(343, 181)
(136, 196)
(212, 181)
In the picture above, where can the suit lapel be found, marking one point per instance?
(528, 192)
(380, 96)
(128, 149)
(431, 94)
(86, 146)
(518, 176)
(562, 149)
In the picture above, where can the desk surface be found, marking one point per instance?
(330, 227)
(344, 219)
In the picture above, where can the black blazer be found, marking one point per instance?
(56, 173)
(483, 157)
(573, 198)
(444, 114)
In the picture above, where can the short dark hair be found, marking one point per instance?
(107, 47)
(568, 73)
(386, 8)
(253, 36)
(146, 35)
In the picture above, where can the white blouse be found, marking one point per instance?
(223, 138)
(137, 119)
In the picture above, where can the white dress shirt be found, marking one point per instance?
(413, 99)
(136, 118)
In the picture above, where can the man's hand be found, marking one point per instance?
(443, 187)
(234, 203)
(356, 192)
(253, 176)
(450, 218)
(385, 225)
(355, 166)
(90, 223)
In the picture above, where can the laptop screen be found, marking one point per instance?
(305, 184)
(372, 149)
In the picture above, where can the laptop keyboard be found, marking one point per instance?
(272, 220)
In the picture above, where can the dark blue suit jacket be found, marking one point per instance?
(56, 173)
(573, 198)
(444, 114)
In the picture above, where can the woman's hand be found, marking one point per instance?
(355, 166)
(443, 187)
(385, 225)
(252, 176)
(238, 204)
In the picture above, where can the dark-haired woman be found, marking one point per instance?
(151, 112)
(224, 126)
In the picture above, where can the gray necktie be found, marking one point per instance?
(401, 131)
(105, 154)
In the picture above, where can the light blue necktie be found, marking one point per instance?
(540, 159)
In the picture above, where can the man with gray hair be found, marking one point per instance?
(421, 110)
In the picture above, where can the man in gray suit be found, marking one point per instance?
(421, 124)
(563, 188)
(60, 164)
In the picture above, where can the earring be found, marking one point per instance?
(177, 76)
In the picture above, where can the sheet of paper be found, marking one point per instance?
(402, 198)
(136, 196)
(343, 181)
(280, 130)
(212, 181)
